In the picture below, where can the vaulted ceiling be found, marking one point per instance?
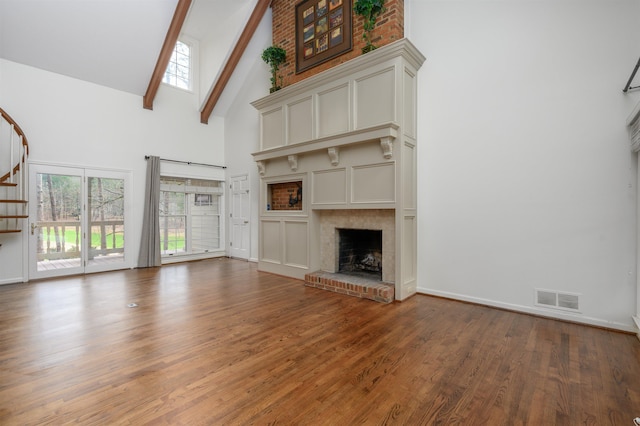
(114, 43)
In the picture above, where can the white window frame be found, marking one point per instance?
(214, 192)
(193, 65)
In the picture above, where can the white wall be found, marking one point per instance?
(526, 179)
(242, 130)
(218, 45)
(72, 122)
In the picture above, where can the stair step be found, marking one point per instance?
(8, 184)
(10, 231)
(14, 201)
(14, 216)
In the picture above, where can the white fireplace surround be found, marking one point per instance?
(373, 219)
(349, 135)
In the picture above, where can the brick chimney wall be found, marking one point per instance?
(389, 28)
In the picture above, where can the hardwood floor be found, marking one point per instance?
(216, 342)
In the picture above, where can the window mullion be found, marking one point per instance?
(188, 224)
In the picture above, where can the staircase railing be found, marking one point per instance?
(14, 150)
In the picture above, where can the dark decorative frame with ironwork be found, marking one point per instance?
(323, 31)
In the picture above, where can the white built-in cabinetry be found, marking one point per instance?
(349, 135)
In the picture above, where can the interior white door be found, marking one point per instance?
(77, 220)
(240, 212)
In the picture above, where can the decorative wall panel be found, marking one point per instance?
(333, 111)
(296, 236)
(410, 89)
(270, 238)
(272, 129)
(409, 245)
(409, 176)
(330, 187)
(375, 99)
(373, 183)
(299, 121)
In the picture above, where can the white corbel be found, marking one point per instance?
(261, 167)
(386, 143)
(334, 155)
(293, 162)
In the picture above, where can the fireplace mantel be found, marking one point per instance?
(349, 136)
(382, 133)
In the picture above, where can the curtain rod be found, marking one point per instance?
(146, 157)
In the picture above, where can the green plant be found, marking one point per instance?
(369, 10)
(274, 56)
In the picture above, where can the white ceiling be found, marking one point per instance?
(207, 16)
(114, 43)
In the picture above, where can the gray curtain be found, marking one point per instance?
(150, 242)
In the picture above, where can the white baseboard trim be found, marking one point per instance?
(253, 259)
(187, 258)
(16, 280)
(531, 310)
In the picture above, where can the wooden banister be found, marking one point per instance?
(25, 144)
(13, 195)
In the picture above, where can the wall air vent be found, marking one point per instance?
(558, 300)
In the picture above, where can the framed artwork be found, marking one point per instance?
(323, 31)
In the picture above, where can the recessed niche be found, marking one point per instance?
(284, 196)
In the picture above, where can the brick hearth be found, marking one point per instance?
(364, 288)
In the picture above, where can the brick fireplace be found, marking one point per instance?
(377, 286)
(347, 138)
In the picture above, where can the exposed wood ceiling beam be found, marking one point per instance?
(234, 58)
(165, 54)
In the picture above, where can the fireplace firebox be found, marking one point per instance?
(360, 252)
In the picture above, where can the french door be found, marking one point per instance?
(77, 220)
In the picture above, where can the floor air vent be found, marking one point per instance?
(557, 300)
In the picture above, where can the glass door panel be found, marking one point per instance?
(56, 232)
(106, 220)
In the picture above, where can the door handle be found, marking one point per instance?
(246, 221)
(33, 228)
